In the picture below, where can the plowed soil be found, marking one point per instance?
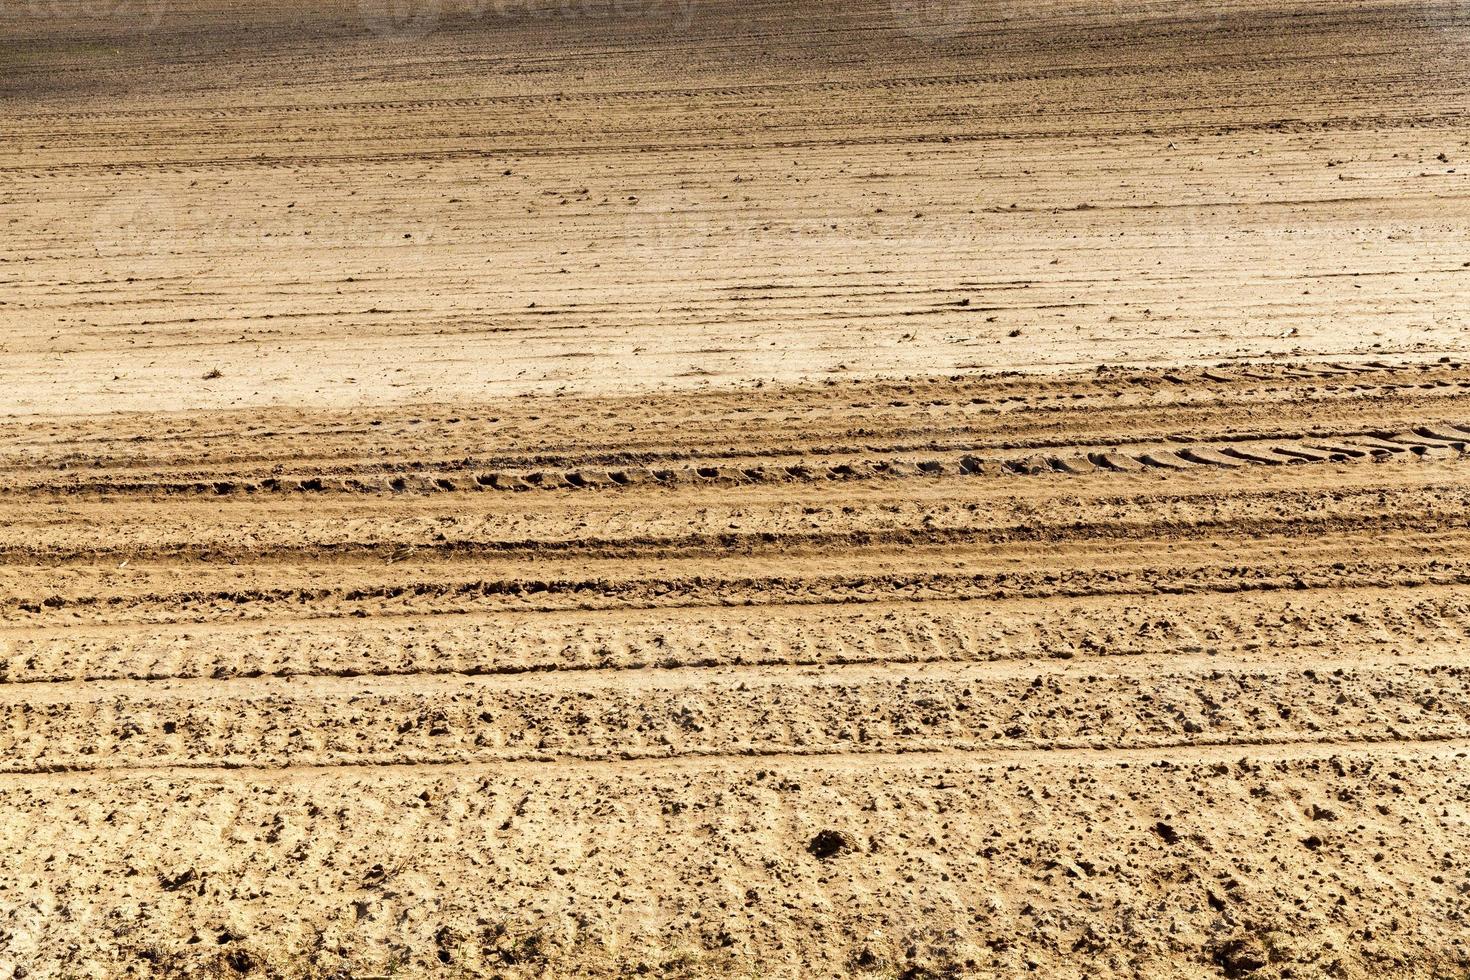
(734, 489)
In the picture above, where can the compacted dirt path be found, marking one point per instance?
(336, 203)
(911, 489)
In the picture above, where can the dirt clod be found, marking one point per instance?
(828, 844)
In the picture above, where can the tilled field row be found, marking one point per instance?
(387, 629)
(1120, 704)
(1021, 703)
(1275, 626)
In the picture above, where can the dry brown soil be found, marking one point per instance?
(694, 489)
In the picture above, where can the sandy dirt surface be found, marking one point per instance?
(444, 200)
(734, 489)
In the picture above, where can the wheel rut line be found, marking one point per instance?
(811, 613)
(1020, 756)
(1186, 582)
(1070, 459)
(754, 674)
(743, 542)
(813, 444)
(998, 403)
